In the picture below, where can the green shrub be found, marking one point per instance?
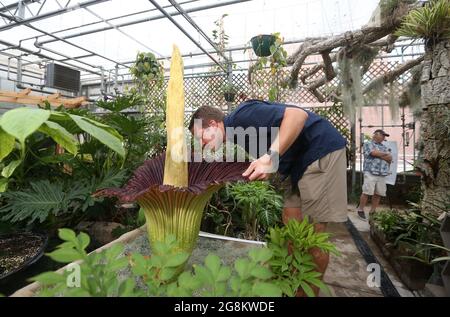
(267, 271)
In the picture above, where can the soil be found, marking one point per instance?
(18, 249)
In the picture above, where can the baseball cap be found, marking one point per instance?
(381, 132)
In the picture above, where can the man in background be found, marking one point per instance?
(377, 158)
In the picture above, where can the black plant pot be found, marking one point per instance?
(18, 253)
(229, 96)
(261, 44)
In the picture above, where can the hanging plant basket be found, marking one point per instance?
(261, 44)
(229, 96)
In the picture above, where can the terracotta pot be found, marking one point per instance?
(321, 260)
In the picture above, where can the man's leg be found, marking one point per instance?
(368, 189)
(362, 204)
(291, 213)
(380, 191)
(363, 201)
(375, 202)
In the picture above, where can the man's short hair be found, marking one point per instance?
(206, 113)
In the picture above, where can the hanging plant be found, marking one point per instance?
(276, 61)
(229, 91)
(147, 69)
(261, 44)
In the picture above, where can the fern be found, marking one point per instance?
(40, 201)
(259, 203)
(112, 178)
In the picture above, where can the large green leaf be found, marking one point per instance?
(22, 122)
(60, 135)
(64, 120)
(3, 184)
(6, 144)
(10, 168)
(106, 135)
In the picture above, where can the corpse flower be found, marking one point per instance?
(172, 192)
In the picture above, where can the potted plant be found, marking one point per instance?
(147, 68)
(229, 92)
(275, 60)
(408, 240)
(261, 44)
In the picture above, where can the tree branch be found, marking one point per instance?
(393, 74)
(365, 35)
(328, 65)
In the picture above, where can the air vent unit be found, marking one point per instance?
(61, 77)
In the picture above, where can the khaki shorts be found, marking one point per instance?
(374, 184)
(323, 189)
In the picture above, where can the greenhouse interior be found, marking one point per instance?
(233, 148)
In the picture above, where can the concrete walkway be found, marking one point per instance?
(347, 274)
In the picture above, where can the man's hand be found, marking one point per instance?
(387, 158)
(259, 169)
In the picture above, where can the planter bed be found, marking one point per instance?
(413, 274)
(136, 241)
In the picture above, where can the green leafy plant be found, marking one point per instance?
(413, 231)
(136, 128)
(251, 277)
(147, 69)
(45, 129)
(258, 204)
(282, 268)
(158, 272)
(97, 272)
(58, 203)
(291, 263)
(276, 61)
(229, 88)
(431, 22)
(149, 82)
(388, 222)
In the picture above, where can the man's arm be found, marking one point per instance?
(382, 155)
(291, 126)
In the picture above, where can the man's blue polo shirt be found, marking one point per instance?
(317, 139)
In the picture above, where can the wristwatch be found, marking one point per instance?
(272, 153)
